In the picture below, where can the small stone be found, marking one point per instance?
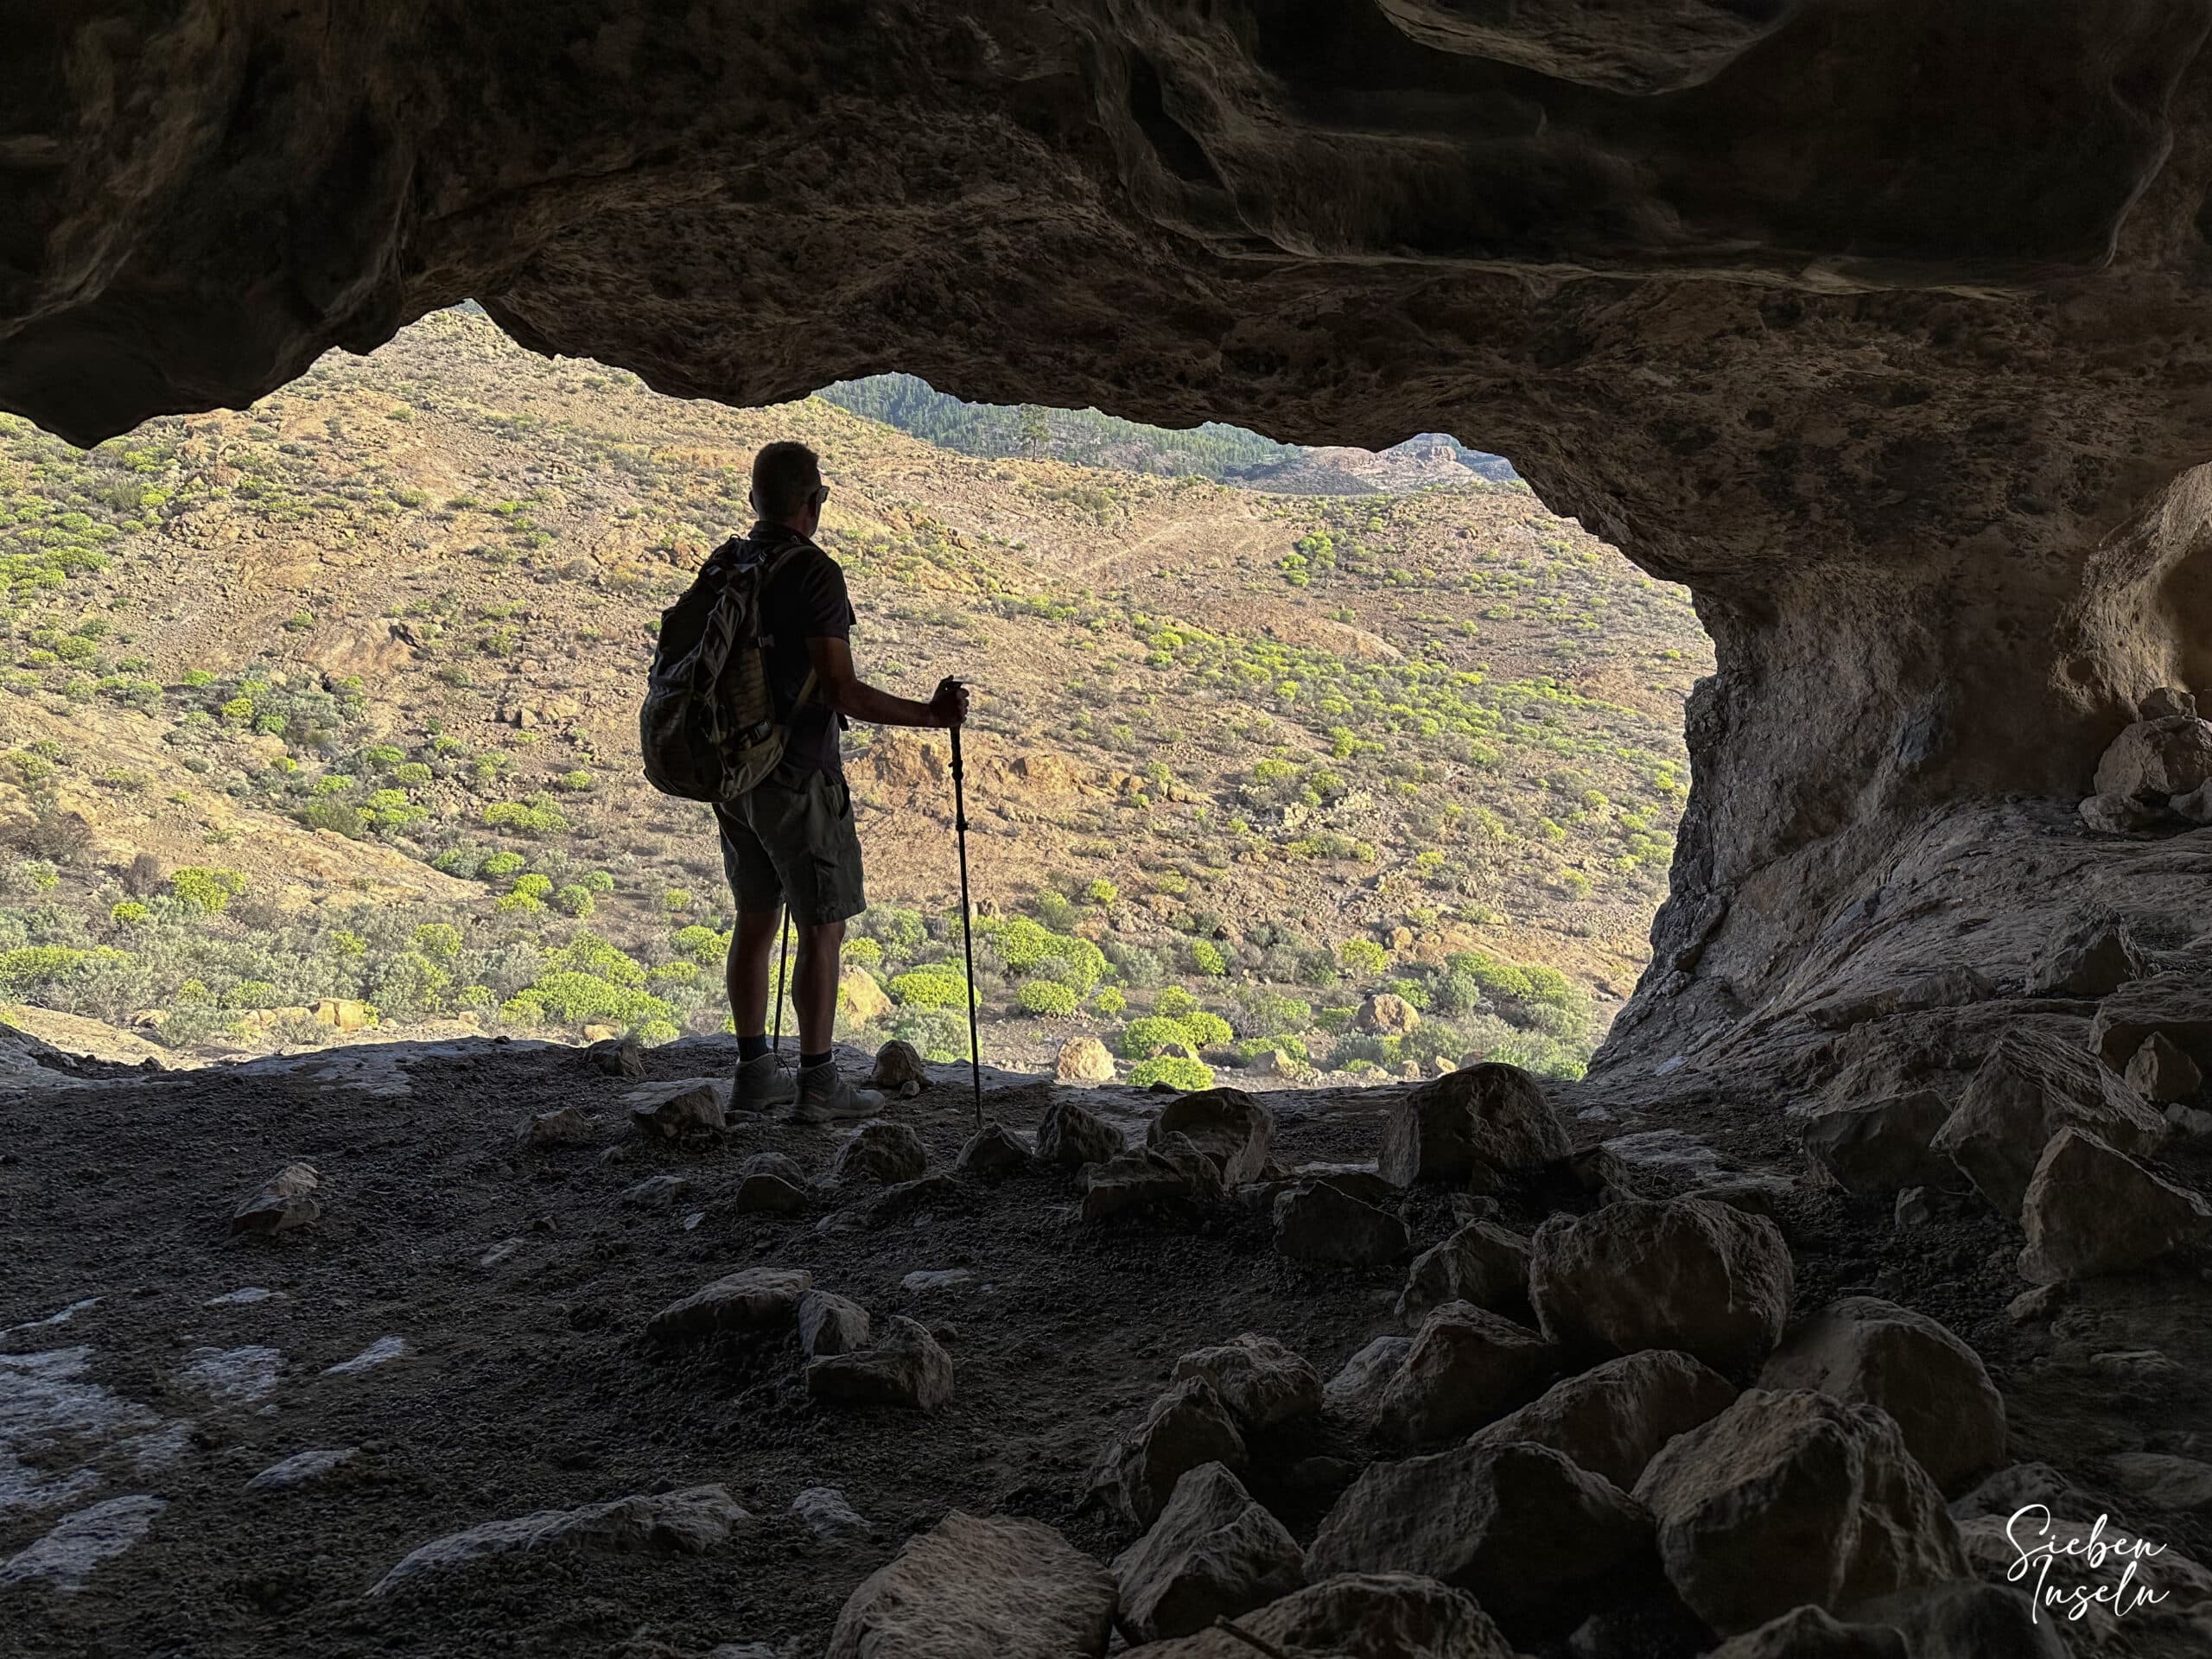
(1355, 1392)
(299, 1468)
(898, 1069)
(1467, 1366)
(1472, 1127)
(383, 1351)
(922, 1281)
(977, 1586)
(907, 1367)
(2029, 1087)
(1915, 1207)
(1481, 1263)
(2090, 1209)
(1070, 1136)
(827, 1515)
(624, 1057)
(750, 1300)
(1381, 1015)
(1315, 1221)
(1083, 1059)
(2094, 957)
(1212, 1554)
(2036, 1306)
(2167, 703)
(2161, 1073)
(770, 1183)
(1864, 1351)
(860, 996)
(658, 1192)
(1186, 1426)
(671, 1110)
(1231, 1130)
(880, 1152)
(688, 1522)
(1262, 1382)
(829, 1324)
(1880, 1146)
(1612, 1419)
(1688, 1275)
(284, 1201)
(992, 1151)
(566, 1128)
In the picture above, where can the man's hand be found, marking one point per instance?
(950, 704)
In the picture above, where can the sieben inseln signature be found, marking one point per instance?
(2102, 1549)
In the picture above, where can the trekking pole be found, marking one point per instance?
(967, 934)
(782, 945)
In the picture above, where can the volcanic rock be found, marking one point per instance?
(689, 1522)
(880, 1152)
(566, 1128)
(1472, 1126)
(977, 1586)
(2155, 760)
(1186, 1426)
(993, 1150)
(284, 1201)
(2095, 957)
(1355, 1615)
(1381, 1015)
(1315, 1221)
(1481, 1263)
(1880, 1146)
(905, 1367)
(1467, 1366)
(898, 1069)
(1083, 1059)
(1213, 1553)
(2090, 1209)
(772, 1183)
(1170, 1170)
(1070, 1136)
(1612, 1419)
(1262, 1382)
(750, 1300)
(830, 1325)
(860, 996)
(1355, 1392)
(1231, 1129)
(2161, 1073)
(2029, 1087)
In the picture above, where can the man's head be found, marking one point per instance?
(787, 487)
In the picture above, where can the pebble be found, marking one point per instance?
(382, 1351)
(233, 1375)
(65, 1558)
(244, 1297)
(827, 1515)
(299, 1468)
(938, 1279)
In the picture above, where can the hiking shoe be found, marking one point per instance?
(826, 1097)
(761, 1083)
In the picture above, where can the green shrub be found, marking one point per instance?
(672, 972)
(598, 882)
(574, 899)
(1102, 891)
(577, 780)
(1046, 996)
(937, 986)
(537, 817)
(209, 892)
(1206, 1030)
(1026, 947)
(1206, 958)
(702, 944)
(1109, 1002)
(501, 863)
(130, 912)
(382, 757)
(518, 901)
(898, 930)
(536, 885)
(438, 940)
(1413, 992)
(1141, 1038)
(1173, 1002)
(1186, 1076)
(1363, 957)
(863, 953)
(414, 773)
(676, 898)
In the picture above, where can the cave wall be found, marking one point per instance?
(1884, 326)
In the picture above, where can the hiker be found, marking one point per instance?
(791, 840)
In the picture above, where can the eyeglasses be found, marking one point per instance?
(821, 494)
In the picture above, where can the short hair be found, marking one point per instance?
(784, 476)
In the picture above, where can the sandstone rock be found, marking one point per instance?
(2161, 1073)
(1864, 1351)
(1467, 1366)
(1083, 1059)
(861, 996)
(1186, 1426)
(1070, 1136)
(1314, 1222)
(343, 1013)
(2095, 957)
(1355, 1615)
(1229, 1128)
(1811, 1633)
(1789, 1499)
(830, 1325)
(993, 1150)
(2118, 814)
(882, 1153)
(1612, 1419)
(2090, 1209)
(1170, 1171)
(565, 1127)
(1516, 1526)
(2154, 759)
(286, 1200)
(1262, 1382)
(898, 1069)
(906, 1367)
(769, 1182)
(749, 1299)
(1381, 1015)
(1880, 1146)
(2029, 1087)
(693, 1106)
(1213, 1553)
(688, 1522)
(1683, 1273)
(1356, 1391)
(1472, 1127)
(975, 1585)
(1481, 1263)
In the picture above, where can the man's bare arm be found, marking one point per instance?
(839, 687)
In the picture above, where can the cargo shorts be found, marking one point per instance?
(792, 842)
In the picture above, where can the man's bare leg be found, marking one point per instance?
(814, 986)
(748, 970)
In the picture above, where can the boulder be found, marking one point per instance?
(1169, 1171)
(2118, 814)
(1229, 1128)
(1355, 1393)
(2030, 1086)
(1688, 1275)
(769, 1182)
(1262, 1382)
(688, 1522)
(624, 1057)
(880, 1153)
(1864, 1351)
(971, 1585)
(1354, 1616)
(1381, 1015)
(2094, 957)
(1467, 1366)
(905, 1367)
(2167, 703)
(750, 1300)
(2182, 1485)
(1212, 1554)
(2196, 806)
(1785, 1500)
(284, 1201)
(1186, 1426)
(671, 1110)
(1083, 1059)
(566, 1128)
(1879, 1146)
(2090, 1209)
(2178, 1005)
(1812, 1633)
(1070, 1136)
(1966, 1621)
(861, 996)
(993, 1150)
(1481, 1263)
(1612, 1419)
(1517, 1526)
(1316, 1222)
(830, 1325)
(898, 1069)
(2155, 760)
(1472, 1126)
(2161, 1073)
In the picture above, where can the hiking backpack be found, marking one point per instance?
(710, 729)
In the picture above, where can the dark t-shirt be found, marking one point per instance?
(806, 600)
